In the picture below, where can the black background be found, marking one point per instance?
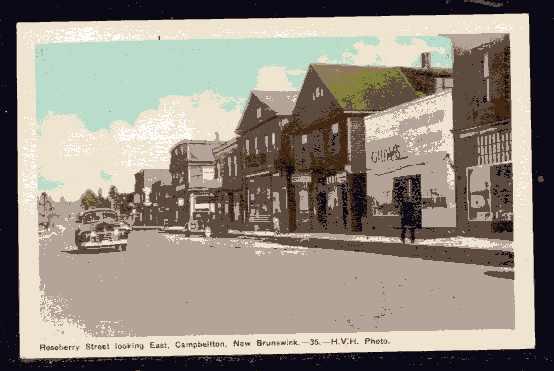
(541, 21)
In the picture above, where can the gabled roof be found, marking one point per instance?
(281, 102)
(366, 88)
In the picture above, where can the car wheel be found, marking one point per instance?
(123, 247)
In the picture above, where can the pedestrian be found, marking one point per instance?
(407, 220)
(276, 226)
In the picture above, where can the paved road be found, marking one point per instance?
(172, 285)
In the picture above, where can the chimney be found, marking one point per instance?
(216, 137)
(426, 60)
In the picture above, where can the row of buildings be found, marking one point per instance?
(354, 142)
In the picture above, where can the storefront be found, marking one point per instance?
(487, 179)
(266, 196)
(409, 159)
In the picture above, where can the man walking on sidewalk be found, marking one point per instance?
(407, 220)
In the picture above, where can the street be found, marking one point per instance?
(168, 284)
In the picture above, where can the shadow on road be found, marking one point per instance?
(501, 274)
(492, 258)
(91, 251)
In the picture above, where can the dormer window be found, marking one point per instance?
(259, 112)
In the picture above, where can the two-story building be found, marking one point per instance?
(259, 142)
(483, 133)
(144, 179)
(193, 178)
(229, 198)
(326, 138)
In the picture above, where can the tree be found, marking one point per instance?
(88, 199)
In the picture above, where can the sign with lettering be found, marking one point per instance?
(386, 150)
(301, 178)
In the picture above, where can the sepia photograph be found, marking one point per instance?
(255, 186)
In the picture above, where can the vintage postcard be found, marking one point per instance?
(256, 186)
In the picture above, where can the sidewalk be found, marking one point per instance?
(469, 250)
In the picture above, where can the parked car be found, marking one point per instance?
(101, 228)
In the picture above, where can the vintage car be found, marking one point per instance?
(201, 223)
(101, 228)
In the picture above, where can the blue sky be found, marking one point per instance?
(133, 100)
(103, 82)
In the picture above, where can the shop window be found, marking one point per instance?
(479, 193)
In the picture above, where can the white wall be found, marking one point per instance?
(414, 138)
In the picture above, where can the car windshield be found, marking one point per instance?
(93, 217)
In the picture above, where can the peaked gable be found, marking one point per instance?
(263, 105)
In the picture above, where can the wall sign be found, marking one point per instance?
(385, 154)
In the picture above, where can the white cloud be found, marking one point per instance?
(388, 52)
(276, 78)
(72, 154)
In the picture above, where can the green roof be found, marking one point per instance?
(357, 88)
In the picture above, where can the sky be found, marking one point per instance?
(106, 110)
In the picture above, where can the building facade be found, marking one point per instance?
(259, 142)
(410, 157)
(482, 133)
(193, 179)
(144, 209)
(326, 139)
(230, 201)
(162, 198)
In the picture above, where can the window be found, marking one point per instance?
(235, 163)
(256, 145)
(259, 112)
(486, 79)
(247, 145)
(304, 138)
(494, 147)
(229, 165)
(207, 173)
(273, 139)
(335, 128)
(266, 143)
